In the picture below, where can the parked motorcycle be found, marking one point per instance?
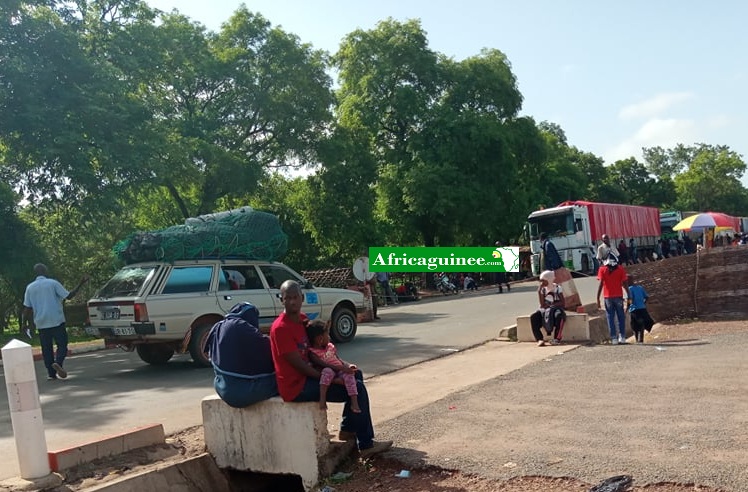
(444, 285)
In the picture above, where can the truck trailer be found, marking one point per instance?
(576, 228)
(669, 219)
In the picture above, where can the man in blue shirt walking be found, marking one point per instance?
(42, 301)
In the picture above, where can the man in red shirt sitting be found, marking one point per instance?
(299, 381)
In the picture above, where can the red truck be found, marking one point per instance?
(575, 228)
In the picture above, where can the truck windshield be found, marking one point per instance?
(560, 224)
(126, 282)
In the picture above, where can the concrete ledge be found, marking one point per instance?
(576, 328)
(117, 444)
(271, 437)
(508, 333)
(198, 474)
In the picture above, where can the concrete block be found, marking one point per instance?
(268, 437)
(599, 331)
(198, 474)
(107, 446)
(576, 328)
(508, 333)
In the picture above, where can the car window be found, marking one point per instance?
(240, 277)
(188, 279)
(126, 282)
(276, 275)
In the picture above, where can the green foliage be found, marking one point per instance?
(116, 118)
(634, 185)
(443, 134)
(711, 181)
(68, 128)
(19, 250)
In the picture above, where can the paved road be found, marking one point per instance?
(112, 391)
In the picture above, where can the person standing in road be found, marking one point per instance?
(299, 381)
(623, 257)
(605, 249)
(501, 278)
(612, 277)
(550, 259)
(633, 252)
(42, 302)
(637, 302)
(384, 281)
(371, 290)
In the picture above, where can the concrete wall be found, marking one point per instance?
(710, 283)
(199, 474)
(268, 437)
(576, 328)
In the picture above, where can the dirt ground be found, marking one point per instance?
(382, 473)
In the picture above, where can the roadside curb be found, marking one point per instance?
(72, 456)
(73, 349)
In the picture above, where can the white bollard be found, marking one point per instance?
(25, 410)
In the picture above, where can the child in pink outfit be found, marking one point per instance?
(323, 354)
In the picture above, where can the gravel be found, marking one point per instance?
(669, 412)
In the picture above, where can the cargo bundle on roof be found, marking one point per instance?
(242, 233)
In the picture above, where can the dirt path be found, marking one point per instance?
(670, 417)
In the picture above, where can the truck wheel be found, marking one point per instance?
(343, 325)
(197, 346)
(156, 354)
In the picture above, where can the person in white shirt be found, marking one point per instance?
(605, 249)
(42, 302)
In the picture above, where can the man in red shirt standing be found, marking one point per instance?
(298, 380)
(612, 277)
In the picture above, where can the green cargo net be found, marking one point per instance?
(242, 233)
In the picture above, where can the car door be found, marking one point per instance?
(185, 290)
(275, 274)
(243, 283)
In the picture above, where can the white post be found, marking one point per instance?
(25, 410)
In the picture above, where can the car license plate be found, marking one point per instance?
(90, 330)
(113, 314)
(123, 330)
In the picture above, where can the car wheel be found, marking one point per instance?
(197, 346)
(344, 325)
(156, 354)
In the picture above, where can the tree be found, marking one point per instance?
(231, 106)
(712, 181)
(100, 97)
(67, 126)
(443, 134)
(339, 213)
(634, 185)
(20, 250)
(666, 164)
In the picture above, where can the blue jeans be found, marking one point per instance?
(360, 423)
(59, 336)
(241, 392)
(614, 309)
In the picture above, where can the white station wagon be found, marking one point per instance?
(159, 308)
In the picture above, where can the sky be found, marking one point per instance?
(616, 76)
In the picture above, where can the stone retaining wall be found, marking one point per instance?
(709, 283)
